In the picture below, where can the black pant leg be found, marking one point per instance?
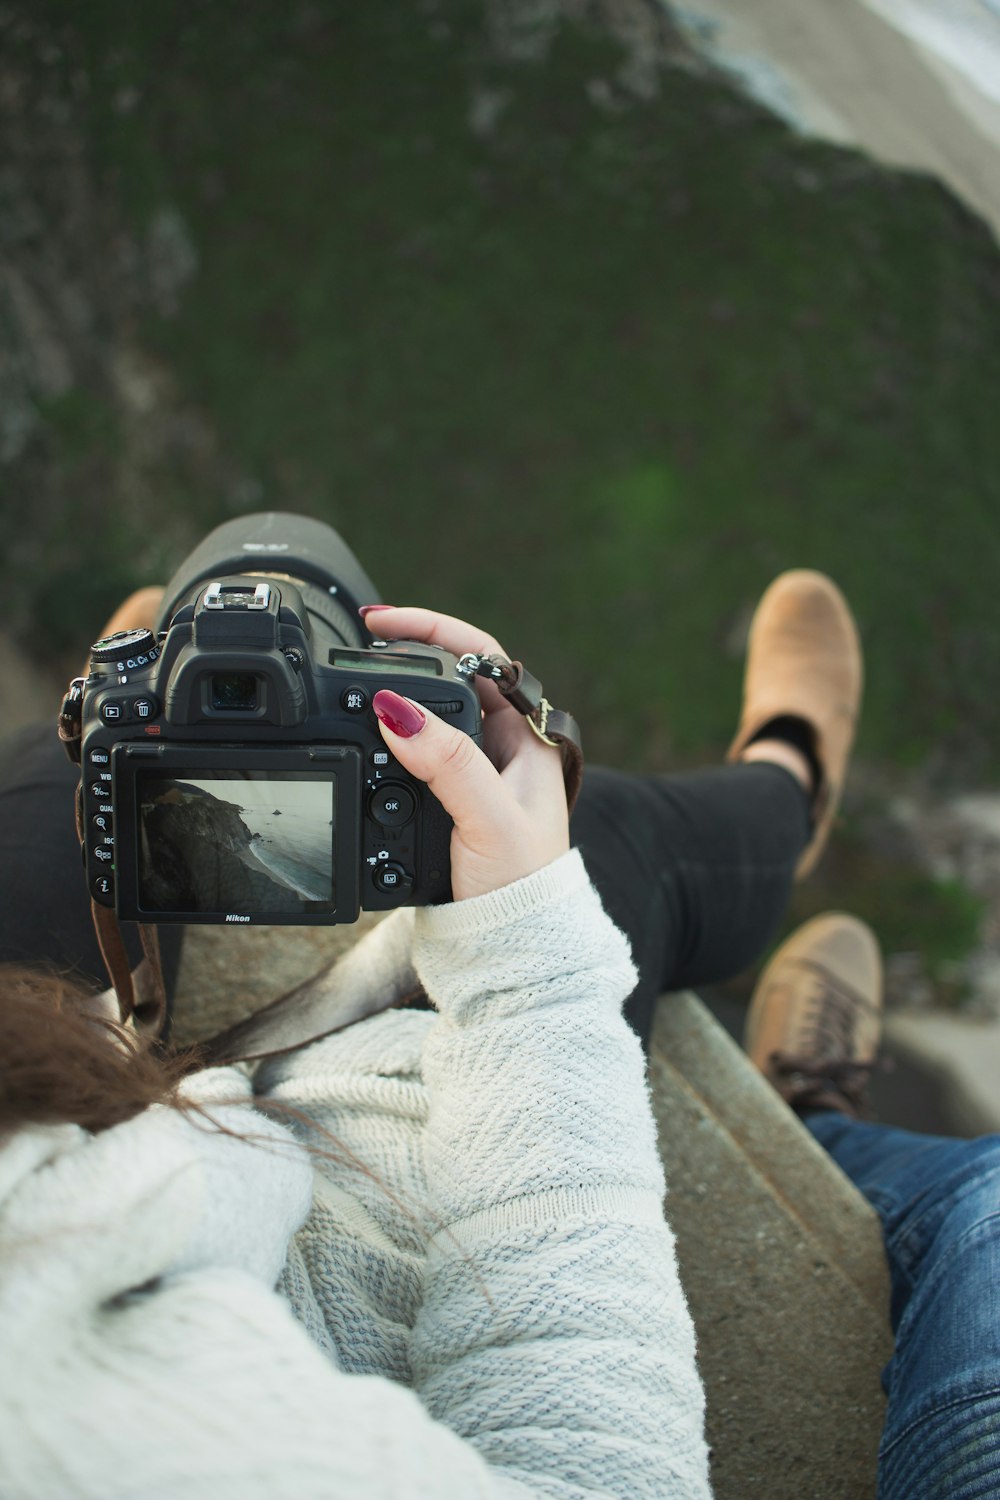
(696, 869)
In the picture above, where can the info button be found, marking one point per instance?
(392, 805)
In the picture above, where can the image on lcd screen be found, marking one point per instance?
(233, 842)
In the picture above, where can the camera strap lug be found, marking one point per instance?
(69, 723)
(524, 691)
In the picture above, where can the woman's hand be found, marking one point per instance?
(509, 804)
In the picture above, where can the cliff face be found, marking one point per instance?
(413, 271)
(90, 418)
(197, 857)
(432, 271)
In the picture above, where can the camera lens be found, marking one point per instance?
(236, 691)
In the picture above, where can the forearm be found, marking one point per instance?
(553, 1333)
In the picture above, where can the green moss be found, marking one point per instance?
(595, 376)
(81, 425)
(78, 597)
(941, 917)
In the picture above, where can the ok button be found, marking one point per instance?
(392, 804)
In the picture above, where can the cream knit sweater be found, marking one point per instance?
(478, 1296)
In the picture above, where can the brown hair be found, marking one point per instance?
(59, 1062)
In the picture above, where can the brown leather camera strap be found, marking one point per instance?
(524, 692)
(142, 995)
(141, 992)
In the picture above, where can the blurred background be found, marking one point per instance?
(582, 320)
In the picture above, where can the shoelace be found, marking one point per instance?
(812, 1081)
(828, 1073)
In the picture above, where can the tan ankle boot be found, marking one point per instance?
(815, 1020)
(804, 660)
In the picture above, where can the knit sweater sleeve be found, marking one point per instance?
(553, 1333)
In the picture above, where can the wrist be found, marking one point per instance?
(532, 943)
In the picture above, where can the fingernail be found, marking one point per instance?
(398, 714)
(367, 609)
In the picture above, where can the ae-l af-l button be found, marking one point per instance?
(392, 804)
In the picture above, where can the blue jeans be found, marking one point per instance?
(939, 1203)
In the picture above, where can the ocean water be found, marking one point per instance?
(295, 849)
(963, 33)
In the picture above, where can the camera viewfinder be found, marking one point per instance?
(235, 691)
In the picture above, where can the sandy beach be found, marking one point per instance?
(915, 86)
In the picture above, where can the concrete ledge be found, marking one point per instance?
(798, 1170)
(783, 1266)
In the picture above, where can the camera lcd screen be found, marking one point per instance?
(374, 661)
(236, 841)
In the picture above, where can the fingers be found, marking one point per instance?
(505, 826)
(458, 637)
(452, 765)
(508, 805)
(412, 624)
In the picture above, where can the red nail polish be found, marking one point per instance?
(367, 609)
(398, 714)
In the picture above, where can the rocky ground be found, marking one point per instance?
(953, 839)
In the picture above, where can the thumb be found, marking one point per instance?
(460, 776)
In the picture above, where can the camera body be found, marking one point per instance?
(232, 766)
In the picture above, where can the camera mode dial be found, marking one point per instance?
(136, 647)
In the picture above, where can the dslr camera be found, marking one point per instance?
(232, 766)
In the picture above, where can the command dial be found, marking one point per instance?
(131, 650)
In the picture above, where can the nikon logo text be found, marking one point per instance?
(232, 917)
